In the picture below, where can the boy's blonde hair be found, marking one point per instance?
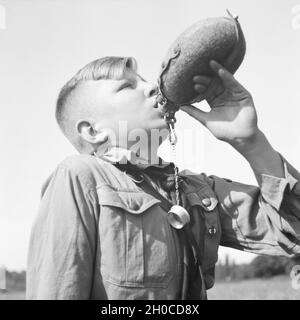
(104, 68)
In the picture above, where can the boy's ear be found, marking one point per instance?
(87, 132)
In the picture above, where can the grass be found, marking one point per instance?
(12, 295)
(276, 288)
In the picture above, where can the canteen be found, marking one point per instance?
(220, 39)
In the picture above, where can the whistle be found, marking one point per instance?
(178, 217)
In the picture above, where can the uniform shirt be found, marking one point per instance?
(99, 236)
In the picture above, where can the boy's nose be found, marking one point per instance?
(151, 90)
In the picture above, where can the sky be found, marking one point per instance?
(44, 42)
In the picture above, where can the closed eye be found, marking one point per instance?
(126, 85)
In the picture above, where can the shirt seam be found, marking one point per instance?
(83, 179)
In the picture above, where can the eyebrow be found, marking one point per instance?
(136, 76)
(130, 79)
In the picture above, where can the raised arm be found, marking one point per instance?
(264, 219)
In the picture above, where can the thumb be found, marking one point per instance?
(196, 113)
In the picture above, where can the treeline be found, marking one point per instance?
(260, 267)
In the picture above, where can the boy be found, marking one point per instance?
(101, 234)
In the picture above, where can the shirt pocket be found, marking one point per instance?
(135, 239)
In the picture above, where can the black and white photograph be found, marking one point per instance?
(150, 150)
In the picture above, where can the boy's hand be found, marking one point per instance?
(232, 117)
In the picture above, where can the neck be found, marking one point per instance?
(145, 153)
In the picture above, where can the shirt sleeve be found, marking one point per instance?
(62, 245)
(263, 219)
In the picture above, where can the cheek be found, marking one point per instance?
(130, 107)
(134, 110)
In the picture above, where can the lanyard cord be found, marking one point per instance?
(173, 141)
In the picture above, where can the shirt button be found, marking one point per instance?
(212, 230)
(206, 202)
(135, 207)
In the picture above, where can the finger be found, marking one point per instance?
(204, 80)
(200, 88)
(196, 113)
(227, 78)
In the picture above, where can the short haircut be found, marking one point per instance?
(103, 68)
